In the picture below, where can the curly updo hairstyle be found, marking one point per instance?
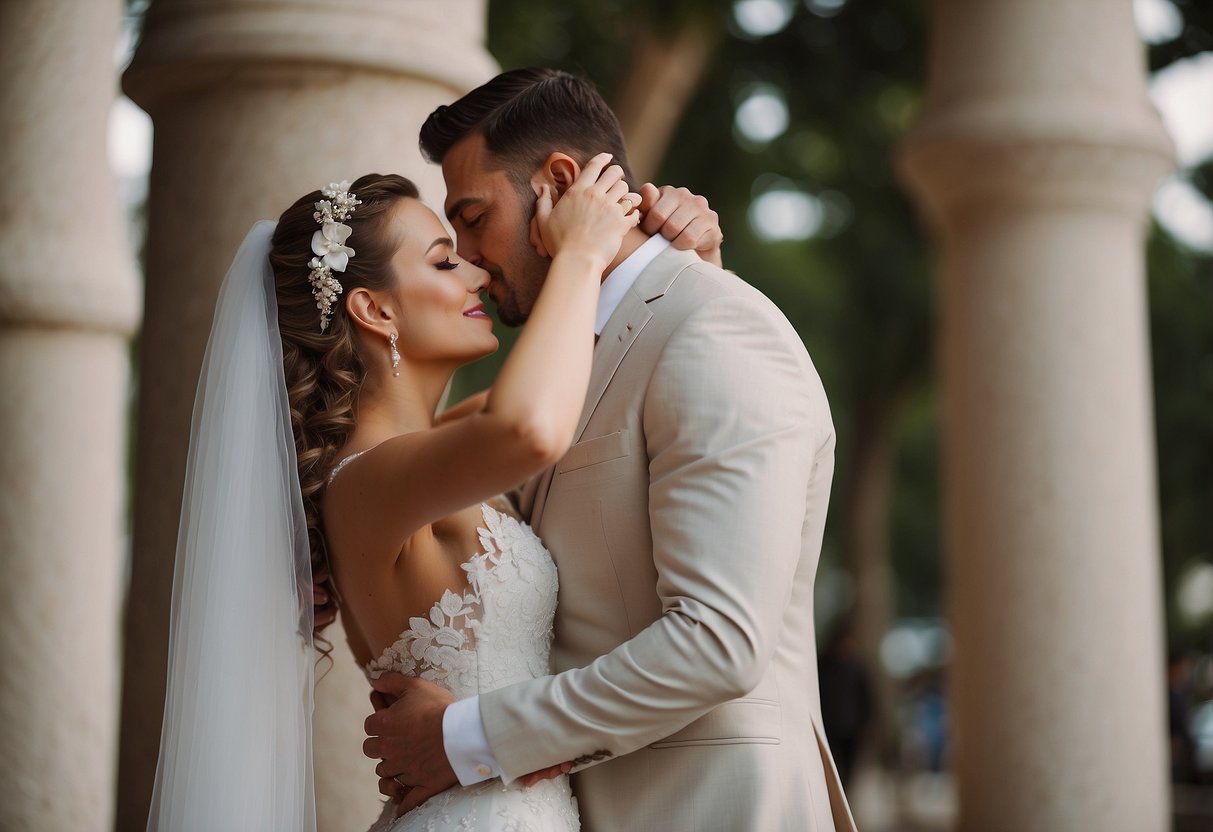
(323, 369)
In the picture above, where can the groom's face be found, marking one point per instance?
(491, 216)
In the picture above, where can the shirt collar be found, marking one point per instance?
(621, 278)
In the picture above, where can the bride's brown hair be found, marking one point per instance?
(323, 369)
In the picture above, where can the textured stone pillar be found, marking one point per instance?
(68, 306)
(1035, 159)
(254, 103)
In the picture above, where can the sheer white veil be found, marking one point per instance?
(236, 747)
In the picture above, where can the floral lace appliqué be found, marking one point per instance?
(439, 648)
(494, 632)
(497, 630)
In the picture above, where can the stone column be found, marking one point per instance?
(1035, 159)
(254, 103)
(68, 307)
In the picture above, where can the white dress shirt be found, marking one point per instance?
(463, 738)
(617, 282)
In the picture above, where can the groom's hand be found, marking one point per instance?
(683, 218)
(405, 735)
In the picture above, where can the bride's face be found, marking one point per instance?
(437, 292)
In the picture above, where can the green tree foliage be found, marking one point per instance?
(1194, 37)
(1181, 325)
(858, 290)
(850, 77)
(1181, 334)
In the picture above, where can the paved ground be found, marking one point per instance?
(887, 802)
(1193, 807)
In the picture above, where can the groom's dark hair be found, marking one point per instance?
(525, 115)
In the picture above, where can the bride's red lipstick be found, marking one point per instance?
(476, 311)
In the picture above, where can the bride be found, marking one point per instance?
(318, 469)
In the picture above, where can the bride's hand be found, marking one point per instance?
(552, 773)
(592, 215)
(683, 218)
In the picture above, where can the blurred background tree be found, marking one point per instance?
(1181, 325)
(786, 115)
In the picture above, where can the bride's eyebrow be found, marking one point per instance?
(439, 242)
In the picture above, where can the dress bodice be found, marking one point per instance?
(494, 632)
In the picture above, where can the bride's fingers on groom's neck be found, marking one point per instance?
(648, 197)
(660, 209)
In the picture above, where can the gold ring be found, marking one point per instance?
(626, 200)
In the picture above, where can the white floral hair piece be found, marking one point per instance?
(328, 244)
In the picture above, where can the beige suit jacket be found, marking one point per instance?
(686, 523)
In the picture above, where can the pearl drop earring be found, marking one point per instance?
(395, 358)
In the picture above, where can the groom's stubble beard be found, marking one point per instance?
(521, 289)
(527, 270)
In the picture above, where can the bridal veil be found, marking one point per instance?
(236, 746)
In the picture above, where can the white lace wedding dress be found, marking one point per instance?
(494, 633)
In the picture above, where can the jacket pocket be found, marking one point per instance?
(740, 721)
(593, 451)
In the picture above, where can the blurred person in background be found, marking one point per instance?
(1179, 716)
(847, 700)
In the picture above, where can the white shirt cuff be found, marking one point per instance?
(467, 747)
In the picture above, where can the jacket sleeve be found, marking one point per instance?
(734, 418)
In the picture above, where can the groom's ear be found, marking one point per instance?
(559, 171)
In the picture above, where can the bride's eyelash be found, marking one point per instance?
(445, 264)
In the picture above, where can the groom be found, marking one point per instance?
(686, 520)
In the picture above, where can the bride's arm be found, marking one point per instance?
(531, 412)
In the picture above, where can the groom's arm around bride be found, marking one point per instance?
(687, 528)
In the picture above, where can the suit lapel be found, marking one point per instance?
(617, 337)
(626, 323)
